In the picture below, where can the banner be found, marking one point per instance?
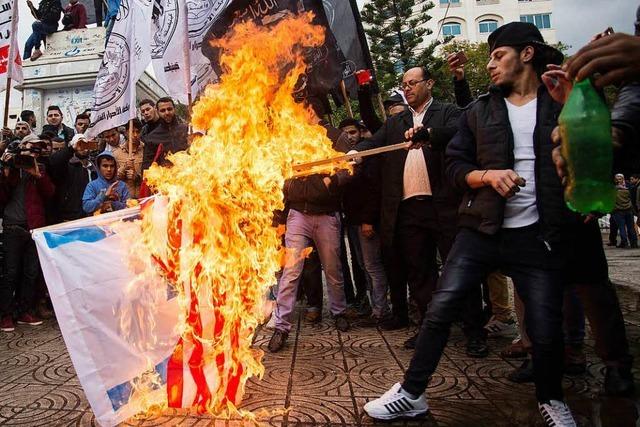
(126, 56)
(120, 329)
(344, 20)
(325, 63)
(179, 28)
(9, 44)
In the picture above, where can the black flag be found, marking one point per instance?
(344, 21)
(325, 63)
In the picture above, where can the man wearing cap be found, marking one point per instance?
(512, 218)
(72, 169)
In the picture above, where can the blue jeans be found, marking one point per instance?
(40, 32)
(303, 230)
(624, 220)
(369, 256)
(537, 276)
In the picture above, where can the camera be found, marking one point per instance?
(24, 154)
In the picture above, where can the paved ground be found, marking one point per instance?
(324, 377)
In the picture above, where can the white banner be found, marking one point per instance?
(85, 267)
(126, 56)
(178, 59)
(9, 44)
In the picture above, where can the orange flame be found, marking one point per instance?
(223, 252)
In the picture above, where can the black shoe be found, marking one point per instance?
(393, 323)
(477, 347)
(342, 324)
(524, 374)
(618, 381)
(278, 340)
(573, 369)
(623, 246)
(410, 344)
(634, 245)
(368, 322)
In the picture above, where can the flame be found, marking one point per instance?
(221, 250)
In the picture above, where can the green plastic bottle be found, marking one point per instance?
(585, 126)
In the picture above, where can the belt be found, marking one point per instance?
(419, 198)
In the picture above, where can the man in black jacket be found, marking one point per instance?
(313, 217)
(512, 217)
(149, 117)
(170, 136)
(47, 16)
(418, 206)
(55, 124)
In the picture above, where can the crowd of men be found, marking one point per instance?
(478, 198)
(440, 228)
(60, 175)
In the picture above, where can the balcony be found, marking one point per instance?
(486, 2)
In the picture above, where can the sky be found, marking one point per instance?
(577, 20)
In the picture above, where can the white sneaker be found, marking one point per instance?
(394, 404)
(556, 414)
(497, 328)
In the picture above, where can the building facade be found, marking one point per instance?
(474, 20)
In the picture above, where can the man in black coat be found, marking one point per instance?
(418, 206)
(171, 135)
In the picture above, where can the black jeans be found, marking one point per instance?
(22, 269)
(419, 236)
(536, 272)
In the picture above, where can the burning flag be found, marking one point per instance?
(202, 256)
(224, 252)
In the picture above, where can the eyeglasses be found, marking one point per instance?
(411, 83)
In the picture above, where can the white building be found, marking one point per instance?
(65, 75)
(474, 20)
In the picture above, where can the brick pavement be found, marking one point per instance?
(324, 377)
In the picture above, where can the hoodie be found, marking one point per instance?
(94, 194)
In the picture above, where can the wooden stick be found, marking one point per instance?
(7, 98)
(347, 102)
(130, 139)
(347, 157)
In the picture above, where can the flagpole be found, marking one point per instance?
(187, 66)
(347, 102)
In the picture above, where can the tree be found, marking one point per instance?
(475, 69)
(396, 30)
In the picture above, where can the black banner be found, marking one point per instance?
(325, 63)
(344, 21)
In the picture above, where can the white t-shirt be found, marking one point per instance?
(415, 181)
(521, 209)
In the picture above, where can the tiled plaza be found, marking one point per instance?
(323, 377)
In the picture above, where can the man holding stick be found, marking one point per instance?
(418, 210)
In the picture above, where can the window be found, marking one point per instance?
(488, 26)
(542, 20)
(451, 29)
(449, 1)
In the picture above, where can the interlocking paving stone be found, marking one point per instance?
(324, 377)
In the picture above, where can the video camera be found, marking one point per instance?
(24, 154)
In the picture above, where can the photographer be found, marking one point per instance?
(25, 187)
(106, 193)
(71, 170)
